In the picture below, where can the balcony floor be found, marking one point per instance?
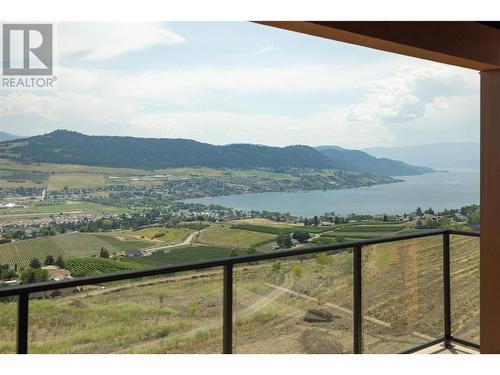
(440, 349)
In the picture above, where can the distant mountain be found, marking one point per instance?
(69, 147)
(437, 155)
(7, 136)
(355, 160)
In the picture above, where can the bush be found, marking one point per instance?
(33, 275)
(301, 236)
(297, 271)
(276, 266)
(35, 263)
(49, 260)
(322, 258)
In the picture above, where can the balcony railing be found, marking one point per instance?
(22, 292)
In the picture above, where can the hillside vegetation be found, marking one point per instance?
(68, 147)
(359, 161)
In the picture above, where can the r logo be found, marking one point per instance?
(27, 49)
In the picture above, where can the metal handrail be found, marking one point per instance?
(23, 291)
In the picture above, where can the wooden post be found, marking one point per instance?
(490, 212)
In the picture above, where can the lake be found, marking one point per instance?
(452, 189)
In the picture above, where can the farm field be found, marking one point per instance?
(263, 221)
(181, 254)
(217, 237)
(94, 266)
(58, 176)
(64, 207)
(365, 231)
(159, 234)
(182, 314)
(224, 236)
(67, 245)
(74, 180)
(280, 229)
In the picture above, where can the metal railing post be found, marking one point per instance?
(227, 323)
(446, 290)
(22, 323)
(357, 297)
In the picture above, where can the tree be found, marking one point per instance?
(284, 241)
(49, 260)
(385, 218)
(234, 253)
(33, 275)
(6, 273)
(104, 253)
(301, 236)
(35, 263)
(419, 212)
(60, 262)
(315, 221)
(473, 218)
(251, 250)
(430, 211)
(19, 235)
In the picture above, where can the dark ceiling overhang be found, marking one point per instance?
(468, 44)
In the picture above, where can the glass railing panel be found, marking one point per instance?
(8, 316)
(181, 313)
(402, 294)
(294, 305)
(464, 268)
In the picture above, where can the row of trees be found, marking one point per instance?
(285, 240)
(49, 261)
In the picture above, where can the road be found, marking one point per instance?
(187, 241)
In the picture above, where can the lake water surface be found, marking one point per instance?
(452, 189)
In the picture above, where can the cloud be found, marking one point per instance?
(264, 49)
(180, 103)
(103, 40)
(406, 95)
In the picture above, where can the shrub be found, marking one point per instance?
(297, 271)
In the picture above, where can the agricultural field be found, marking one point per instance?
(260, 173)
(169, 236)
(225, 236)
(365, 231)
(74, 180)
(182, 254)
(67, 245)
(94, 266)
(274, 306)
(13, 179)
(61, 207)
(280, 229)
(263, 221)
(58, 176)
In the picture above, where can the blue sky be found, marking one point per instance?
(233, 82)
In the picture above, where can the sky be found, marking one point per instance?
(241, 82)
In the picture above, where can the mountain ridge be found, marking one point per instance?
(364, 162)
(435, 155)
(69, 147)
(4, 136)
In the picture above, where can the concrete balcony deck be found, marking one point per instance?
(455, 349)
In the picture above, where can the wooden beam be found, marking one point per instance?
(490, 209)
(462, 43)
